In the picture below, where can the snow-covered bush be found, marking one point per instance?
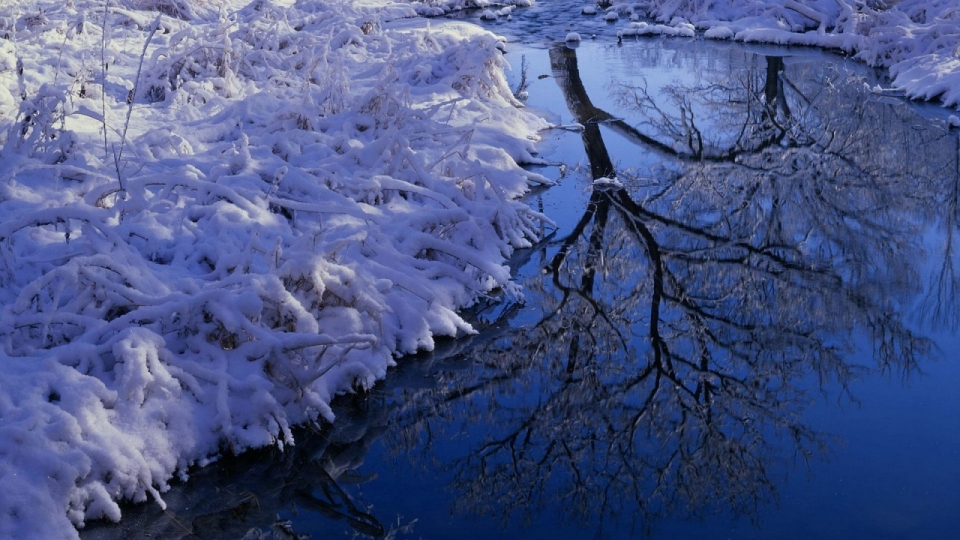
(37, 130)
(205, 238)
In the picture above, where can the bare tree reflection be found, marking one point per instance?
(675, 336)
(942, 302)
(684, 321)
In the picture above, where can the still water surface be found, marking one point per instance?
(751, 333)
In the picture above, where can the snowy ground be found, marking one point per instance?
(214, 220)
(215, 216)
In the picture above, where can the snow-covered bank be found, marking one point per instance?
(918, 41)
(213, 220)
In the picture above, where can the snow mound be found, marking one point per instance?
(644, 29)
(255, 208)
(718, 32)
(436, 8)
(610, 183)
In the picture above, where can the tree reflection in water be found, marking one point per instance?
(673, 339)
(681, 326)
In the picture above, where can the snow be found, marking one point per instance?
(434, 8)
(718, 32)
(215, 217)
(916, 40)
(611, 183)
(250, 210)
(644, 29)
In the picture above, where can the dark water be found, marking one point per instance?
(751, 334)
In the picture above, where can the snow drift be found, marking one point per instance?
(216, 217)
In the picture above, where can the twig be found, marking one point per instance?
(136, 85)
(103, 83)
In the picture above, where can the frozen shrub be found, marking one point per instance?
(38, 130)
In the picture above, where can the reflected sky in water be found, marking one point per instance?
(751, 335)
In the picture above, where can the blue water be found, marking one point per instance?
(789, 372)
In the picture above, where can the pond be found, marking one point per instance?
(742, 324)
